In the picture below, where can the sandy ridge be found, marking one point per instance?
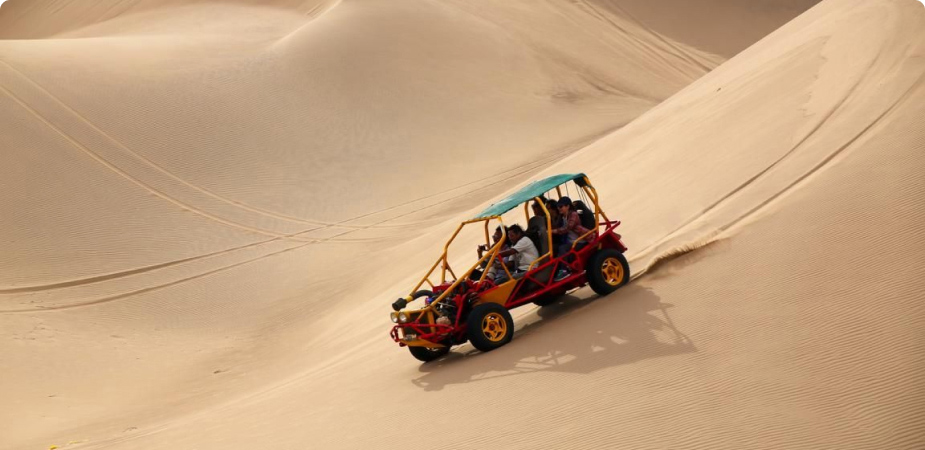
(777, 227)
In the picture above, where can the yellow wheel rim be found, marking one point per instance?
(612, 271)
(494, 327)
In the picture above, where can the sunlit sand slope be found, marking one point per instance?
(208, 206)
(791, 174)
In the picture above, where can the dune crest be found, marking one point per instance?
(208, 207)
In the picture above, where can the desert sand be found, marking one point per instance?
(207, 208)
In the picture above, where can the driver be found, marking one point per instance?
(522, 252)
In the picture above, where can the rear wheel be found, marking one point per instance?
(489, 326)
(427, 354)
(607, 270)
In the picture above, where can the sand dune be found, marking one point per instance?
(247, 120)
(201, 198)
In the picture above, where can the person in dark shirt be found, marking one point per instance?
(556, 221)
(569, 231)
(571, 228)
(536, 229)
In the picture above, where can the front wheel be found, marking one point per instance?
(427, 354)
(489, 326)
(607, 270)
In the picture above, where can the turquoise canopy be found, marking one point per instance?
(527, 193)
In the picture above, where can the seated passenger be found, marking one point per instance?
(536, 229)
(586, 214)
(555, 221)
(522, 251)
(481, 249)
(572, 229)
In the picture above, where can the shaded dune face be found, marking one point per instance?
(201, 197)
(238, 126)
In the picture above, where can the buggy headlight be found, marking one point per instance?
(394, 317)
(402, 317)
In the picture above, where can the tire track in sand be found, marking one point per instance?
(200, 275)
(339, 238)
(319, 225)
(518, 171)
(715, 235)
(153, 165)
(644, 46)
(886, 113)
(131, 178)
(153, 288)
(126, 273)
(774, 164)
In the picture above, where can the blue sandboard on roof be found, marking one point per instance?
(527, 193)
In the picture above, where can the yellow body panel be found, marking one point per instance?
(422, 343)
(500, 294)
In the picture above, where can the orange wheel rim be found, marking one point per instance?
(494, 327)
(612, 271)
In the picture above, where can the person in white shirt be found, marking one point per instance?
(522, 253)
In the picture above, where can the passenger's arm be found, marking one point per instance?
(560, 230)
(508, 252)
(573, 221)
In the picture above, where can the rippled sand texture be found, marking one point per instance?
(207, 208)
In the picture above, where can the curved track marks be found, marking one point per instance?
(481, 185)
(152, 165)
(823, 159)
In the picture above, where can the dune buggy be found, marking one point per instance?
(473, 306)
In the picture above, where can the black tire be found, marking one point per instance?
(489, 326)
(607, 271)
(427, 354)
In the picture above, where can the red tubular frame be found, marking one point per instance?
(604, 239)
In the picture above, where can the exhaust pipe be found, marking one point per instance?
(399, 304)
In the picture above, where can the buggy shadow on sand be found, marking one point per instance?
(576, 335)
(474, 307)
